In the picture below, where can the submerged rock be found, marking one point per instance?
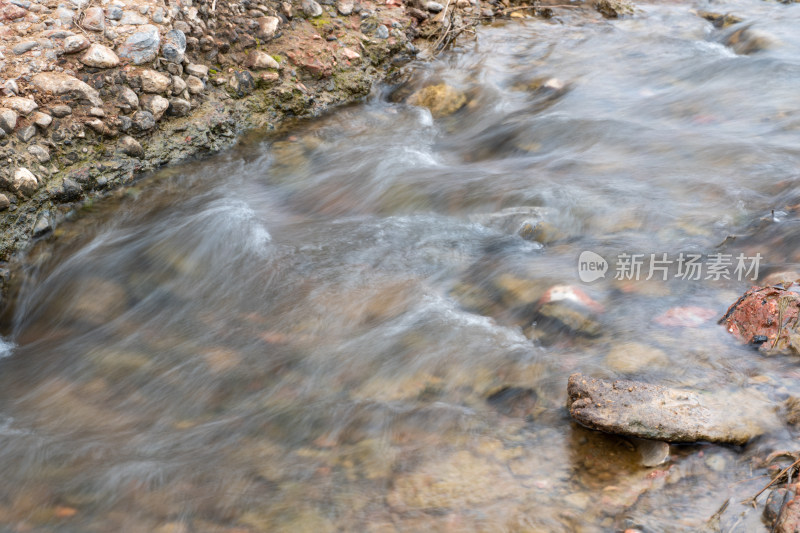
(748, 40)
(767, 317)
(638, 409)
(569, 307)
(442, 100)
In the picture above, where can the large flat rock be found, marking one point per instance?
(648, 411)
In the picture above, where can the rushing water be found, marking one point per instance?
(314, 332)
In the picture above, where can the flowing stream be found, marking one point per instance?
(334, 329)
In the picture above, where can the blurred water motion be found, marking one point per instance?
(332, 330)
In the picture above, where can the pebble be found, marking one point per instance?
(155, 104)
(23, 106)
(178, 85)
(24, 182)
(60, 111)
(23, 47)
(267, 27)
(311, 8)
(382, 32)
(75, 43)
(143, 120)
(43, 120)
(130, 146)
(195, 85)
(60, 84)
(174, 46)
(65, 16)
(114, 13)
(94, 19)
(41, 153)
(11, 88)
(127, 99)
(195, 69)
(344, 7)
(132, 18)
(99, 56)
(4, 202)
(155, 82)
(8, 120)
(179, 107)
(142, 46)
(259, 60)
(97, 112)
(434, 7)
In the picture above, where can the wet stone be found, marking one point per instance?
(642, 410)
(767, 317)
(442, 100)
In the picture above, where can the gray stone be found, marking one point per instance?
(114, 12)
(156, 104)
(195, 69)
(382, 32)
(66, 16)
(75, 43)
(70, 190)
(41, 153)
(174, 46)
(434, 7)
(142, 46)
(24, 182)
(61, 84)
(8, 120)
(100, 56)
(178, 85)
(43, 120)
(94, 19)
(26, 133)
(43, 224)
(60, 111)
(242, 83)
(158, 15)
(11, 88)
(131, 147)
(23, 106)
(642, 410)
(143, 120)
(132, 18)
(195, 85)
(179, 107)
(127, 99)
(25, 46)
(311, 8)
(155, 82)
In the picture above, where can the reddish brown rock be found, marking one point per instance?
(767, 317)
(9, 11)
